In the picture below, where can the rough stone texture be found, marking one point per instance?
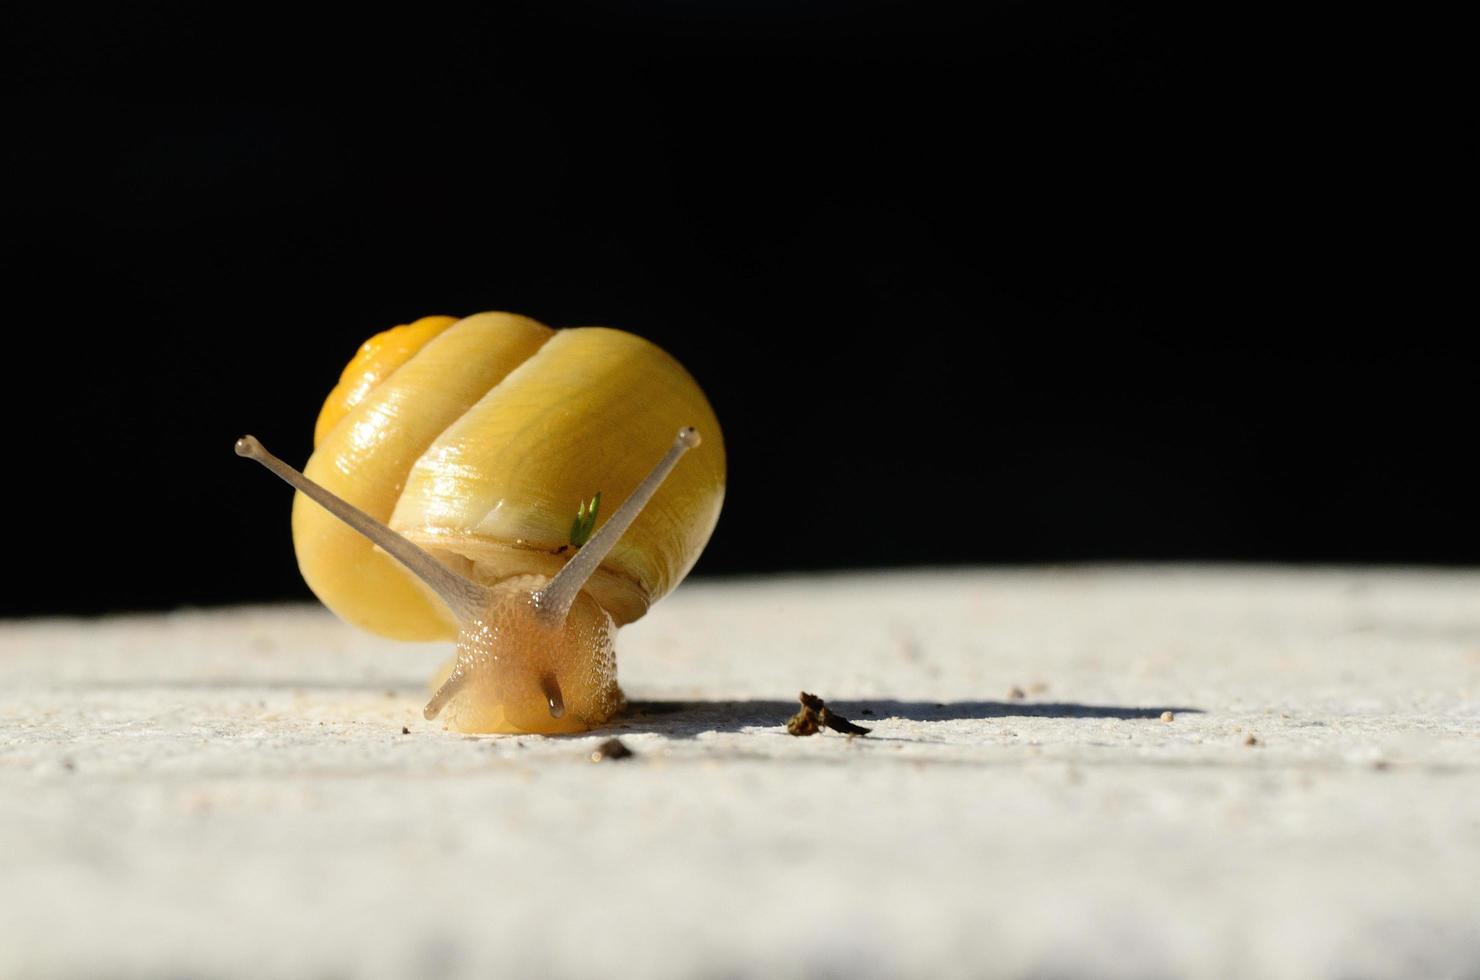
(229, 794)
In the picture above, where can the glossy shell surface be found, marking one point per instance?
(479, 438)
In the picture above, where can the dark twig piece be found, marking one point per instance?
(815, 716)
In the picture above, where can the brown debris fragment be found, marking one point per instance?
(804, 722)
(405, 730)
(613, 749)
(1016, 694)
(815, 716)
(1250, 740)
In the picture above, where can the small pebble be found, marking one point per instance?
(613, 749)
(1016, 694)
(1250, 740)
(1167, 716)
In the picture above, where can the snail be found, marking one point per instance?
(438, 504)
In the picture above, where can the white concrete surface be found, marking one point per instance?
(229, 794)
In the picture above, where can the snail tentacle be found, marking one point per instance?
(450, 686)
(466, 599)
(553, 698)
(555, 599)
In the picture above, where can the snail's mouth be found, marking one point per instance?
(469, 704)
(480, 675)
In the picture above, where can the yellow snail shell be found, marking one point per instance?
(478, 440)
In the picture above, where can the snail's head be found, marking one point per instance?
(519, 669)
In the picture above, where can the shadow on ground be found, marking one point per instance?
(685, 719)
(676, 719)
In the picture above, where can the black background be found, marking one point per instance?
(991, 283)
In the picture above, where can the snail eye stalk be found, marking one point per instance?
(555, 599)
(466, 599)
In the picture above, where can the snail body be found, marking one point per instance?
(448, 464)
